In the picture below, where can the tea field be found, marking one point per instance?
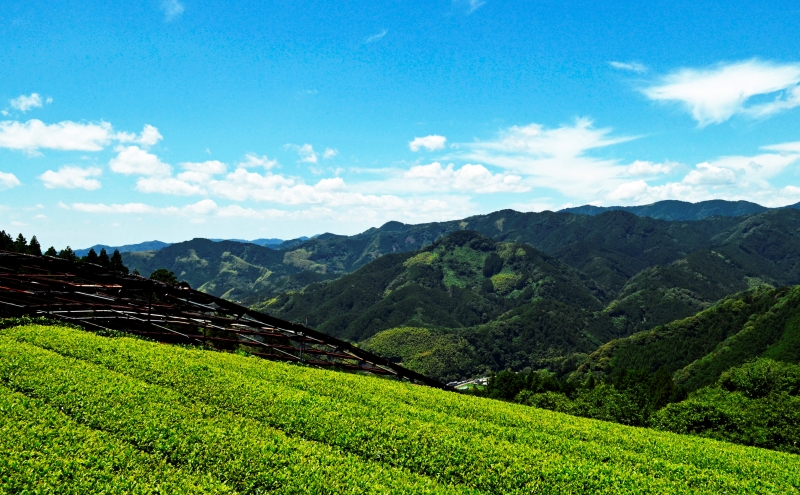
(88, 414)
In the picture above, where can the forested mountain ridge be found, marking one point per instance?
(230, 269)
(761, 322)
(680, 210)
(461, 280)
(530, 329)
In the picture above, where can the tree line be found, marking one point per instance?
(32, 247)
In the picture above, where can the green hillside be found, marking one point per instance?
(757, 404)
(762, 322)
(462, 280)
(679, 210)
(511, 306)
(233, 270)
(614, 249)
(171, 419)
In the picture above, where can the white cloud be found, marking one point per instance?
(716, 94)
(306, 152)
(113, 208)
(207, 168)
(8, 180)
(474, 178)
(70, 177)
(553, 158)
(793, 147)
(132, 160)
(192, 182)
(147, 138)
(644, 168)
(24, 103)
(253, 160)
(172, 9)
(708, 174)
(629, 190)
(630, 66)
(35, 134)
(168, 185)
(377, 36)
(431, 143)
(731, 177)
(329, 153)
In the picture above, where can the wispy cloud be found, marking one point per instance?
(377, 36)
(714, 95)
(306, 152)
(8, 180)
(645, 168)
(329, 153)
(629, 66)
(132, 160)
(34, 135)
(433, 142)
(472, 178)
(70, 177)
(24, 103)
(731, 177)
(553, 158)
(172, 9)
(473, 5)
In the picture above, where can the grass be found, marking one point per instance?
(250, 426)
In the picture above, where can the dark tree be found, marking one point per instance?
(68, 254)
(21, 244)
(51, 251)
(91, 257)
(116, 262)
(6, 242)
(164, 275)
(103, 259)
(34, 247)
(136, 272)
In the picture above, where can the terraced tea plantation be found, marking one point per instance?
(88, 414)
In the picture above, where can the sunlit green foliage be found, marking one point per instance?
(760, 322)
(228, 416)
(43, 450)
(440, 355)
(757, 404)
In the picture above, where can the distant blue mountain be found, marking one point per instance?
(142, 246)
(680, 210)
(272, 243)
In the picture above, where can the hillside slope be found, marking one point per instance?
(762, 322)
(253, 426)
(678, 210)
(234, 270)
(461, 280)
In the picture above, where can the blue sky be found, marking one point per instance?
(177, 119)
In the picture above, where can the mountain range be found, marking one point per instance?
(156, 245)
(578, 281)
(681, 210)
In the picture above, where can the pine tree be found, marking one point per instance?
(103, 259)
(51, 251)
(6, 242)
(21, 244)
(68, 254)
(116, 262)
(34, 247)
(91, 257)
